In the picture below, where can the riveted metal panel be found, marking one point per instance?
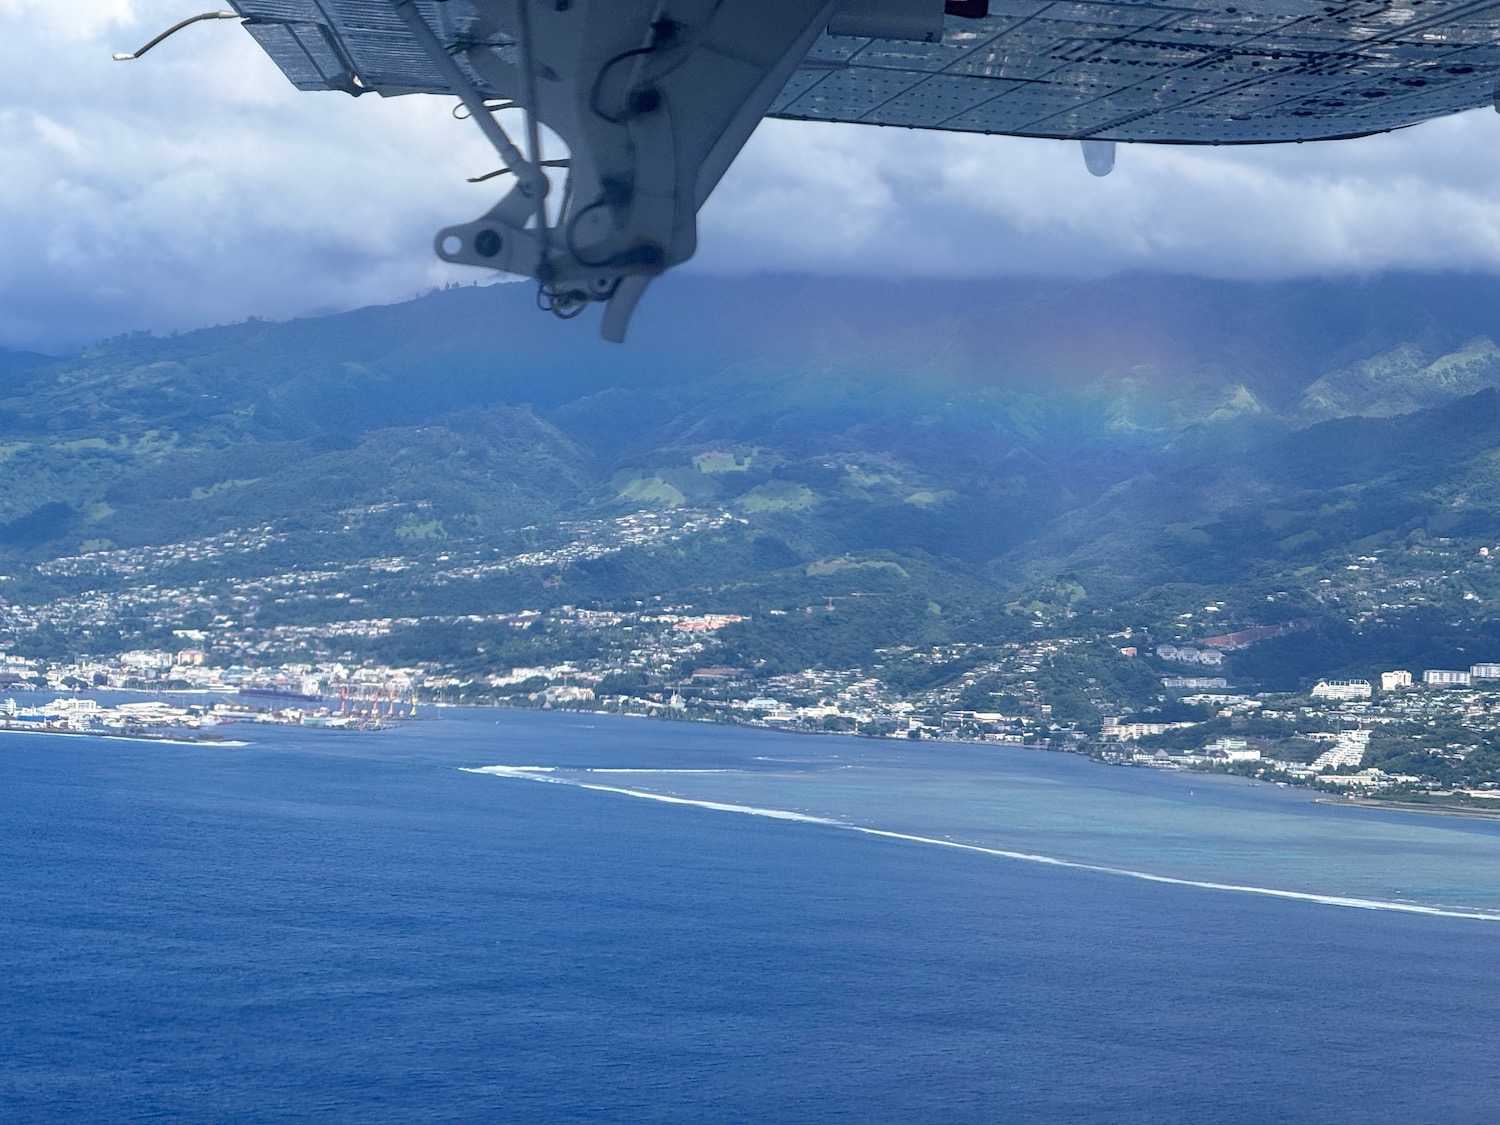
(1194, 72)
(1188, 71)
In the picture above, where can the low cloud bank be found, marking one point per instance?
(197, 187)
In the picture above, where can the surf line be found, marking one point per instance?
(611, 769)
(541, 773)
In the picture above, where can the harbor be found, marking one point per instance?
(159, 719)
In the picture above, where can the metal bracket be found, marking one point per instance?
(653, 99)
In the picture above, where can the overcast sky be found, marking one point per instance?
(197, 187)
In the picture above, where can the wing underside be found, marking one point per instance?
(1184, 72)
(1272, 70)
(652, 99)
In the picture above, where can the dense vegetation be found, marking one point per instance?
(1126, 451)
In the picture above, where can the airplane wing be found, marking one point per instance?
(1188, 72)
(654, 98)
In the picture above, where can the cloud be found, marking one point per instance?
(197, 186)
(825, 197)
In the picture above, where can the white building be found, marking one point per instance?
(568, 693)
(1392, 681)
(1485, 672)
(149, 713)
(146, 660)
(1442, 677)
(1342, 689)
(1348, 750)
(1112, 728)
(1233, 750)
(1186, 654)
(516, 676)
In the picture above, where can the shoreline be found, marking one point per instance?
(1433, 809)
(1470, 811)
(1321, 797)
(124, 737)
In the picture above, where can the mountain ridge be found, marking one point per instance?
(1031, 449)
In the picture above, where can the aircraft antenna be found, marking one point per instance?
(121, 56)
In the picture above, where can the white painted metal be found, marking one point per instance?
(652, 106)
(1099, 157)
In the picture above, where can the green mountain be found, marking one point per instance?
(964, 461)
(1402, 381)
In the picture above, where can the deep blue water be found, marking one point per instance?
(351, 927)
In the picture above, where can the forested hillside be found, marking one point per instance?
(963, 459)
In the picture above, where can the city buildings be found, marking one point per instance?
(1342, 689)
(1441, 677)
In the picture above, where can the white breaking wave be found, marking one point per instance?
(538, 773)
(614, 770)
(531, 773)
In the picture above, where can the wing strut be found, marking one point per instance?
(653, 101)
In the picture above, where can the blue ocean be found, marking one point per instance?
(617, 920)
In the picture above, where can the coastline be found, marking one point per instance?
(125, 737)
(1430, 809)
(1322, 797)
(1413, 806)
